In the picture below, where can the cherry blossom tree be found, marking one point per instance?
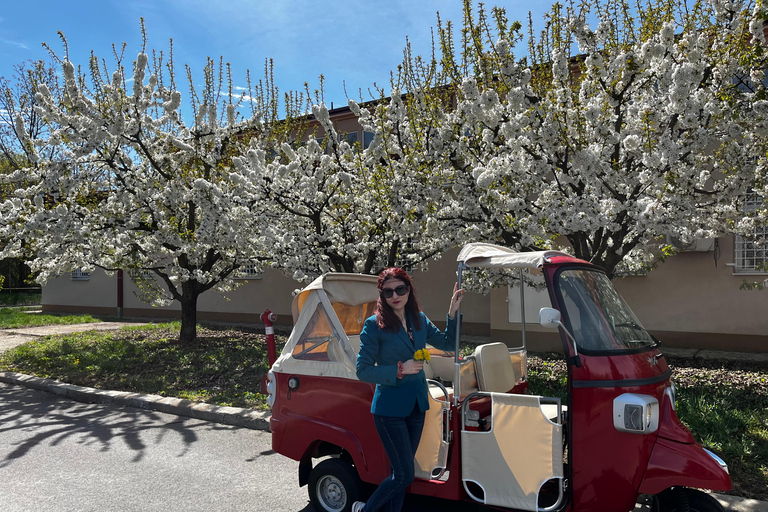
(17, 105)
(340, 207)
(136, 187)
(621, 125)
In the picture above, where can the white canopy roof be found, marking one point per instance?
(489, 255)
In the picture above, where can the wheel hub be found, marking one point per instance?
(332, 493)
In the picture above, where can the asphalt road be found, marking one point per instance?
(58, 455)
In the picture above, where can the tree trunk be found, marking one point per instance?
(189, 295)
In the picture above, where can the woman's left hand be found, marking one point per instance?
(456, 298)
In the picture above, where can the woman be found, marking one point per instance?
(388, 343)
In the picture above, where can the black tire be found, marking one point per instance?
(672, 500)
(334, 486)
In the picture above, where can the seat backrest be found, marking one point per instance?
(495, 371)
(428, 371)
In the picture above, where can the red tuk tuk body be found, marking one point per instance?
(615, 438)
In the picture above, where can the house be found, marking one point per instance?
(692, 300)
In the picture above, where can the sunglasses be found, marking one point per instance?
(388, 292)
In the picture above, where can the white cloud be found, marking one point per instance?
(17, 44)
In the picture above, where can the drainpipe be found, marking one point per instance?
(120, 294)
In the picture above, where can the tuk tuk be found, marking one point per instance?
(486, 437)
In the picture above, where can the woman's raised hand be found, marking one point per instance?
(456, 298)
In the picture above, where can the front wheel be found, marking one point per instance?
(334, 486)
(679, 499)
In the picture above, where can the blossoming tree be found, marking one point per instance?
(335, 206)
(620, 126)
(137, 188)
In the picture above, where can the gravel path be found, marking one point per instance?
(10, 338)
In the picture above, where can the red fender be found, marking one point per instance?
(682, 464)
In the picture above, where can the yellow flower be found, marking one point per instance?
(422, 355)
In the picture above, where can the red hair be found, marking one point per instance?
(385, 317)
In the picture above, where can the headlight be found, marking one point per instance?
(638, 414)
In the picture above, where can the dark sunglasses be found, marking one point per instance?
(400, 290)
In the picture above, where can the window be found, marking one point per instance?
(79, 275)
(596, 315)
(752, 253)
(401, 262)
(350, 137)
(319, 341)
(323, 143)
(367, 139)
(352, 318)
(249, 271)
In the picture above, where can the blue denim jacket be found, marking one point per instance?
(377, 361)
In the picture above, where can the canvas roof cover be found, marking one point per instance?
(495, 256)
(327, 313)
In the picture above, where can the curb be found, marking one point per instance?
(235, 416)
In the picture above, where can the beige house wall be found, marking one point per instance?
(273, 291)
(693, 301)
(688, 301)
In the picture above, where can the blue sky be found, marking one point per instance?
(357, 43)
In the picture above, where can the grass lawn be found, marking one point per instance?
(13, 318)
(224, 367)
(724, 403)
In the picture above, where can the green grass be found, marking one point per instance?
(222, 367)
(15, 318)
(725, 404)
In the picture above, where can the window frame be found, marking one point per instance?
(742, 246)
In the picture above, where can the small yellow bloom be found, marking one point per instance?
(422, 355)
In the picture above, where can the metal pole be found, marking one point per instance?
(522, 305)
(268, 317)
(456, 365)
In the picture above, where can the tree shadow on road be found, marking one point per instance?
(41, 419)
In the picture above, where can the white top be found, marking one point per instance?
(489, 255)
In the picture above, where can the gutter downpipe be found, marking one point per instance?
(120, 294)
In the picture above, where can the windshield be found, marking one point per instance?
(596, 315)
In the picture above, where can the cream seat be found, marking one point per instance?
(495, 371)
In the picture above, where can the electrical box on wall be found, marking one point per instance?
(535, 299)
(698, 245)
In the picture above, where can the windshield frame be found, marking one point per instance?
(652, 344)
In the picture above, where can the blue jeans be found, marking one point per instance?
(400, 437)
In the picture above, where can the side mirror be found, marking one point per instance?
(549, 318)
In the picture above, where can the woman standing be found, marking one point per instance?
(388, 342)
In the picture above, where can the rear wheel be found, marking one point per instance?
(682, 499)
(334, 486)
